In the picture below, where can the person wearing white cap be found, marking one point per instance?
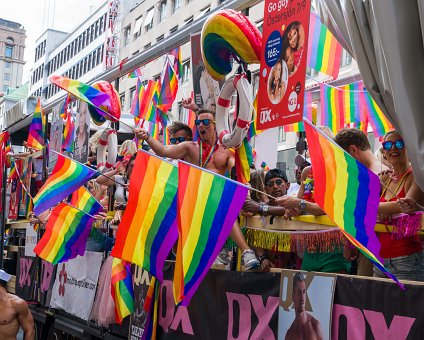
(14, 313)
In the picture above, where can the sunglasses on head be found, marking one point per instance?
(181, 139)
(272, 183)
(399, 144)
(205, 122)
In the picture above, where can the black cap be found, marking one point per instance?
(273, 173)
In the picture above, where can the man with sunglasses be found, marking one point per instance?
(179, 132)
(208, 154)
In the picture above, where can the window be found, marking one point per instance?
(162, 11)
(122, 99)
(346, 59)
(186, 71)
(173, 29)
(148, 22)
(203, 12)
(187, 21)
(175, 5)
(137, 27)
(7, 76)
(160, 38)
(8, 64)
(9, 51)
(310, 72)
(132, 93)
(127, 35)
(260, 25)
(147, 46)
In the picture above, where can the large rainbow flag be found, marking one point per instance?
(347, 191)
(324, 51)
(208, 206)
(148, 228)
(151, 306)
(68, 228)
(37, 128)
(122, 289)
(67, 176)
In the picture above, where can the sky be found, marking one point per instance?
(38, 15)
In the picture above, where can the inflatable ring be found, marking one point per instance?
(244, 90)
(108, 144)
(228, 35)
(114, 110)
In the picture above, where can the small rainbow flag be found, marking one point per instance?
(37, 128)
(67, 176)
(135, 104)
(208, 206)
(324, 51)
(244, 159)
(253, 131)
(63, 109)
(332, 108)
(166, 136)
(151, 306)
(148, 101)
(168, 89)
(68, 137)
(13, 173)
(148, 228)
(68, 228)
(153, 130)
(122, 289)
(178, 62)
(379, 123)
(136, 73)
(347, 191)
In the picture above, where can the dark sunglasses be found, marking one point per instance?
(206, 122)
(399, 144)
(178, 139)
(272, 183)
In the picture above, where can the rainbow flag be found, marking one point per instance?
(177, 62)
(148, 228)
(324, 51)
(347, 191)
(351, 94)
(135, 104)
(208, 206)
(379, 123)
(153, 130)
(63, 109)
(151, 306)
(244, 159)
(148, 101)
(68, 137)
(122, 289)
(67, 231)
(67, 176)
(253, 130)
(136, 73)
(168, 90)
(332, 108)
(12, 173)
(37, 128)
(166, 136)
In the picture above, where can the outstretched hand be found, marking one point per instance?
(189, 104)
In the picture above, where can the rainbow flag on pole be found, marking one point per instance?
(67, 176)
(208, 206)
(37, 128)
(379, 123)
(68, 137)
(168, 89)
(148, 228)
(347, 191)
(122, 289)
(332, 109)
(148, 100)
(324, 51)
(243, 159)
(137, 73)
(177, 62)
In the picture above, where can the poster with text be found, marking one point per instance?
(82, 132)
(305, 306)
(283, 62)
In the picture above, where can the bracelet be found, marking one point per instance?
(263, 209)
(263, 257)
(148, 135)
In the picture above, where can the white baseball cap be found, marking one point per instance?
(4, 276)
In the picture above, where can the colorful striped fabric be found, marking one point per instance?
(135, 104)
(136, 73)
(308, 112)
(122, 289)
(7, 151)
(68, 137)
(148, 100)
(36, 130)
(153, 130)
(177, 62)
(324, 51)
(208, 206)
(168, 90)
(166, 136)
(151, 306)
(63, 110)
(148, 228)
(13, 174)
(347, 191)
(253, 130)
(244, 159)
(332, 109)
(379, 123)
(67, 176)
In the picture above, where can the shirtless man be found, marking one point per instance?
(304, 326)
(208, 154)
(14, 313)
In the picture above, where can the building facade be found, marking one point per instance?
(12, 47)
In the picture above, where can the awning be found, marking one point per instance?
(149, 17)
(137, 25)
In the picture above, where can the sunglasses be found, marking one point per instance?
(181, 139)
(272, 183)
(206, 122)
(399, 144)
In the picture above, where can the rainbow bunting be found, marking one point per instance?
(68, 228)
(37, 128)
(148, 228)
(244, 159)
(347, 191)
(122, 289)
(178, 62)
(136, 73)
(324, 51)
(379, 123)
(332, 108)
(168, 89)
(68, 137)
(208, 206)
(67, 176)
(151, 306)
